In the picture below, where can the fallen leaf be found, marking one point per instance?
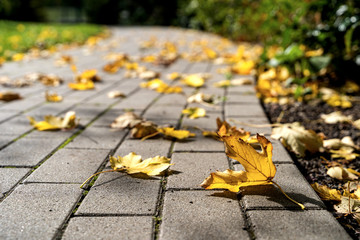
(201, 98)
(341, 173)
(335, 117)
(149, 75)
(178, 134)
(53, 97)
(326, 193)
(9, 96)
(82, 85)
(357, 124)
(133, 163)
(259, 168)
(174, 76)
(194, 80)
(116, 94)
(126, 120)
(55, 123)
(194, 112)
(144, 129)
(348, 205)
(297, 138)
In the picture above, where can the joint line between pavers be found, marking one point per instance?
(247, 221)
(157, 219)
(112, 215)
(292, 208)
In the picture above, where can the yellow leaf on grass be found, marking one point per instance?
(194, 112)
(133, 163)
(259, 168)
(179, 134)
(82, 85)
(55, 123)
(194, 80)
(326, 193)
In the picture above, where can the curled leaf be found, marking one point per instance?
(326, 193)
(126, 120)
(9, 96)
(341, 173)
(53, 97)
(297, 138)
(178, 134)
(55, 123)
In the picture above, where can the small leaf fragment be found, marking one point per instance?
(341, 173)
(9, 96)
(126, 120)
(194, 112)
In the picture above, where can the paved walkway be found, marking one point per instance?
(41, 172)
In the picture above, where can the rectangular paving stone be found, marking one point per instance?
(199, 215)
(148, 148)
(36, 211)
(191, 169)
(87, 112)
(23, 104)
(16, 126)
(242, 122)
(69, 166)
(139, 100)
(9, 177)
(199, 143)
(245, 89)
(244, 110)
(28, 151)
(291, 181)
(120, 193)
(171, 100)
(6, 139)
(4, 115)
(97, 138)
(159, 112)
(131, 228)
(242, 98)
(285, 224)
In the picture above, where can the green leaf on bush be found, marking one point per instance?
(320, 62)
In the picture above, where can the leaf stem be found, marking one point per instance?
(300, 205)
(95, 174)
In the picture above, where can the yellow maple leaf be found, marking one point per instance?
(132, 163)
(82, 85)
(259, 168)
(153, 84)
(194, 112)
(169, 89)
(179, 134)
(194, 80)
(55, 123)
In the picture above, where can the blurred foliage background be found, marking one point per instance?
(329, 25)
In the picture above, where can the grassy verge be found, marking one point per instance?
(19, 37)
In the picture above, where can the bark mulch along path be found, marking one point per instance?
(312, 165)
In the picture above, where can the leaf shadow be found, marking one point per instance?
(272, 193)
(225, 194)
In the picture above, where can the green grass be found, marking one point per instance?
(19, 37)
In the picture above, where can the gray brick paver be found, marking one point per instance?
(198, 215)
(129, 228)
(36, 211)
(69, 166)
(9, 177)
